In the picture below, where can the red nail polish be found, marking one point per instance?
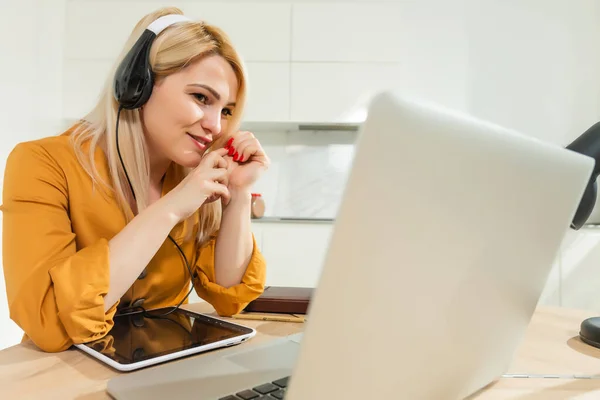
(231, 151)
(235, 156)
(229, 142)
(241, 158)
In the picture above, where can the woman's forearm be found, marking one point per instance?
(132, 249)
(234, 243)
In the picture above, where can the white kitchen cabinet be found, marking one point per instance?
(333, 91)
(337, 91)
(260, 31)
(347, 32)
(295, 252)
(394, 32)
(417, 48)
(268, 92)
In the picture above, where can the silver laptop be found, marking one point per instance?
(441, 248)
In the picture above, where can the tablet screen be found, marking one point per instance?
(137, 336)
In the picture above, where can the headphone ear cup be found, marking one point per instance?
(134, 78)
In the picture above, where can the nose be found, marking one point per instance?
(211, 122)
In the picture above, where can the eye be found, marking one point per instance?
(227, 112)
(200, 97)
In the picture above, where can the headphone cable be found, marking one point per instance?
(181, 253)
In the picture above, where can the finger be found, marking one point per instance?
(210, 161)
(230, 164)
(212, 175)
(219, 153)
(225, 195)
(215, 159)
(218, 191)
(234, 143)
(238, 137)
(251, 151)
(229, 142)
(221, 163)
(245, 149)
(223, 179)
(225, 201)
(222, 151)
(218, 175)
(230, 147)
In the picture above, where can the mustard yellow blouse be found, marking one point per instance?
(56, 228)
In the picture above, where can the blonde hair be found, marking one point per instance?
(172, 50)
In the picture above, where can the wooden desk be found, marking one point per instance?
(550, 347)
(28, 373)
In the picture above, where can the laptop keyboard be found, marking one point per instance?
(268, 391)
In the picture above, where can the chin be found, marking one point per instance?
(188, 160)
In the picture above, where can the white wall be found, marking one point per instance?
(300, 67)
(31, 39)
(533, 65)
(14, 96)
(17, 71)
(528, 64)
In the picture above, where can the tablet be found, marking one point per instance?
(139, 339)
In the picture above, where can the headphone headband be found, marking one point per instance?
(165, 21)
(134, 79)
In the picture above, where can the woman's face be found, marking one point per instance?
(188, 110)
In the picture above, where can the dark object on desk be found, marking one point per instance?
(590, 331)
(588, 144)
(282, 299)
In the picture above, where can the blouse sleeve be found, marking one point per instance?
(55, 293)
(232, 300)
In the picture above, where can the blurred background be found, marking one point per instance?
(530, 65)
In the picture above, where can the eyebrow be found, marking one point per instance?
(212, 91)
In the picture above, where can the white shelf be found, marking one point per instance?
(291, 126)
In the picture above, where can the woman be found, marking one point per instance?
(85, 220)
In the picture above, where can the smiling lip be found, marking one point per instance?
(200, 141)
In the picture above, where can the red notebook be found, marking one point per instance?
(282, 299)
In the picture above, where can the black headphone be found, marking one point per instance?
(132, 88)
(133, 78)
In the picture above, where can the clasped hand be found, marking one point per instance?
(221, 174)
